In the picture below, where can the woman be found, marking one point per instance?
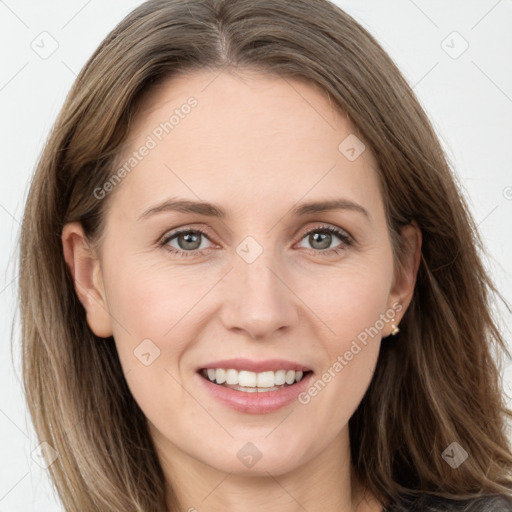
(179, 349)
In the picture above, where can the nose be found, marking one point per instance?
(259, 299)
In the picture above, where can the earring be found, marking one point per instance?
(395, 329)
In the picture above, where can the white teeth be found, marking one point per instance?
(219, 376)
(279, 377)
(252, 380)
(290, 377)
(265, 380)
(231, 377)
(246, 379)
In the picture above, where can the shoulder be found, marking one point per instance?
(429, 503)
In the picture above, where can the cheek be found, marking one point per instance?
(353, 309)
(153, 308)
(356, 318)
(337, 391)
(160, 312)
(353, 299)
(150, 299)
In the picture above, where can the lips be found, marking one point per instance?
(255, 402)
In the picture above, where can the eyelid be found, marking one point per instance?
(186, 228)
(329, 227)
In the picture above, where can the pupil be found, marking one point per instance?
(186, 237)
(325, 242)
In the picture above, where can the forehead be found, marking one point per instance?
(248, 136)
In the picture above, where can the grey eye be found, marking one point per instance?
(187, 240)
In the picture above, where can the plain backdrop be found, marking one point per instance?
(456, 56)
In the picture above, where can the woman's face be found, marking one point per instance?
(270, 279)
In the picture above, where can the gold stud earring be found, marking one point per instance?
(395, 329)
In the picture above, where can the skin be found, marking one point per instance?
(257, 146)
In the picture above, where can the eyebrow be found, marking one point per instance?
(211, 210)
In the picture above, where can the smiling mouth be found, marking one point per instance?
(252, 382)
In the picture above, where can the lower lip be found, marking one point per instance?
(256, 403)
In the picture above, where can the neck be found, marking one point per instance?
(325, 482)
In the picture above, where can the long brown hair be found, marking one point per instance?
(435, 383)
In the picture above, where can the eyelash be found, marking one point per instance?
(342, 235)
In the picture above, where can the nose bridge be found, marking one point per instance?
(258, 301)
(255, 271)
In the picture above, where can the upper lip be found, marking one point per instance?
(256, 366)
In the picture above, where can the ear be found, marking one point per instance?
(403, 285)
(85, 270)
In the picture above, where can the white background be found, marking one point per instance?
(469, 99)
